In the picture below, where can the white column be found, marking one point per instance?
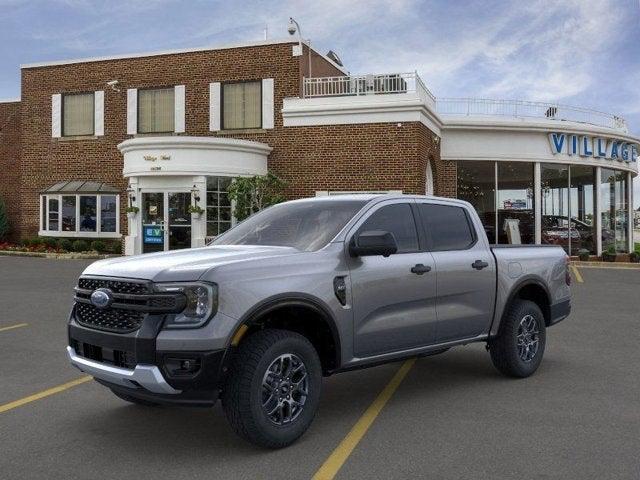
(598, 218)
(199, 225)
(630, 211)
(133, 242)
(537, 201)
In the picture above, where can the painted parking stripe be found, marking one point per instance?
(11, 327)
(45, 393)
(333, 464)
(577, 274)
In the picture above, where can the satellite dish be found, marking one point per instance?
(334, 57)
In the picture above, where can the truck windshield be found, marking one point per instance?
(306, 226)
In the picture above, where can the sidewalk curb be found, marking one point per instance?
(611, 265)
(58, 256)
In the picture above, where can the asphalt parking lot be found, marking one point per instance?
(452, 416)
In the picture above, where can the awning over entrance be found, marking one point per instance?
(81, 186)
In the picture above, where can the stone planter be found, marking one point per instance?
(196, 216)
(131, 215)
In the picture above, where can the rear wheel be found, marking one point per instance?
(518, 349)
(273, 390)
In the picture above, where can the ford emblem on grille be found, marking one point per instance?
(102, 298)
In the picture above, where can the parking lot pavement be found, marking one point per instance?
(453, 415)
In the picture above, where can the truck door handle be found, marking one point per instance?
(479, 264)
(420, 269)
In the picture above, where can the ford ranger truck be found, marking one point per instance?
(306, 289)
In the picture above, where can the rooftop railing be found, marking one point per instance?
(399, 83)
(526, 109)
(356, 85)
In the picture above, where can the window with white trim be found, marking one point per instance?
(219, 216)
(156, 110)
(78, 114)
(242, 105)
(78, 215)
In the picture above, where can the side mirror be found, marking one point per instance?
(374, 242)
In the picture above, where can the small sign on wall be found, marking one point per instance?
(153, 235)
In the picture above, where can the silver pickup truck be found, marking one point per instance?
(309, 288)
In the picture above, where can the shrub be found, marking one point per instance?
(98, 246)
(49, 242)
(65, 244)
(25, 242)
(35, 241)
(80, 246)
(115, 247)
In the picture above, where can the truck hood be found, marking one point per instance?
(182, 265)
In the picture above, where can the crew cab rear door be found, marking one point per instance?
(393, 297)
(465, 270)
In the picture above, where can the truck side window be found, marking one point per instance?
(397, 219)
(448, 227)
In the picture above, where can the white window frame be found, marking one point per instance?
(44, 215)
(95, 115)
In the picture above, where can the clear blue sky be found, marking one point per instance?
(582, 52)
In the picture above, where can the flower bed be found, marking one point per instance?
(45, 246)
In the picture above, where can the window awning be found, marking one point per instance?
(81, 186)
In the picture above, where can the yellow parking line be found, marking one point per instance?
(2, 329)
(45, 393)
(332, 465)
(576, 273)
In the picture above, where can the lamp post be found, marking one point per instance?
(292, 29)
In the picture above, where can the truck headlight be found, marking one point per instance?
(201, 303)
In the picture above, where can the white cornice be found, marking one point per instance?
(453, 122)
(9, 100)
(189, 143)
(176, 52)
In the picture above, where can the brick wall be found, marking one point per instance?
(9, 160)
(444, 171)
(340, 157)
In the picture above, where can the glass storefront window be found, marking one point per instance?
(582, 209)
(515, 202)
(69, 213)
(87, 214)
(613, 207)
(477, 185)
(555, 205)
(108, 213)
(218, 206)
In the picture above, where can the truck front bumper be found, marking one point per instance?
(137, 365)
(142, 376)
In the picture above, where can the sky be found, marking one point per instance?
(577, 52)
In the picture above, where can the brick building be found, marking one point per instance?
(162, 131)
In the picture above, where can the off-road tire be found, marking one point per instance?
(242, 396)
(137, 401)
(504, 350)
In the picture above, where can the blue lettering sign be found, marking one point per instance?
(557, 142)
(614, 150)
(586, 147)
(624, 151)
(601, 147)
(153, 234)
(573, 146)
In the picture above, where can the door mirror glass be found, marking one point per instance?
(373, 242)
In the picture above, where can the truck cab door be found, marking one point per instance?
(393, 297)
(466, 275)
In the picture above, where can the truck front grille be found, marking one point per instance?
(132, 300)
(112, 320)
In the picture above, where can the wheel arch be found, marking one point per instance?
(301, 313)
(529, 288)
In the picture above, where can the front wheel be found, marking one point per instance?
(273, 389)
(518, 349)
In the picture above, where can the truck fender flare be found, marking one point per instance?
(293, 299)
(520, 284)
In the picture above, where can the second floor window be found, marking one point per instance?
(78, 114)
(242, 105)
(156, 110)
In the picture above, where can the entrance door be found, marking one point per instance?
(166, 221)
